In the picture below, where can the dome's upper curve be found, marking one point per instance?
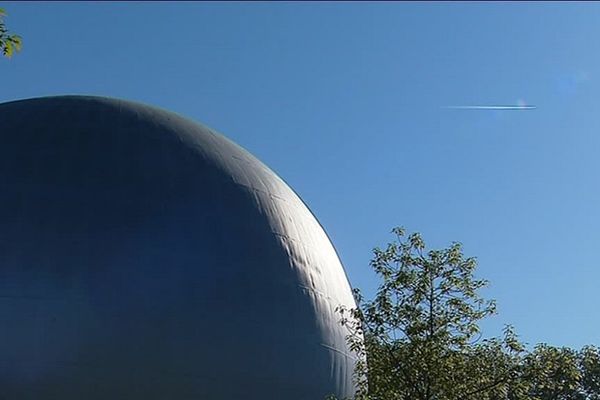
(143, 255)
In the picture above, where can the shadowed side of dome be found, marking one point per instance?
(146, 256)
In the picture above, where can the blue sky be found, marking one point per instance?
(346, 102)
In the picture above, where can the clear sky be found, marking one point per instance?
(346, 102)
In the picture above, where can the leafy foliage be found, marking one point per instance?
(419, 337)
(589, 365)
(560, 373)
(552, 373)
(9, 43)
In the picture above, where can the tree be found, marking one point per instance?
(589, 365)
(419, 337)
(9, 43)
(560, 373)
(552, 373)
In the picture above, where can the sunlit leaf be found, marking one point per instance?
(8, 50)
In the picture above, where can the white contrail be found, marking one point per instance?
(497, 107)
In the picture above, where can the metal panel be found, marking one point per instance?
(144, 256)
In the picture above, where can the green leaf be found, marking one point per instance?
(8, 50)
(17, 42)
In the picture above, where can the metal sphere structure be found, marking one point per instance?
(145, 256)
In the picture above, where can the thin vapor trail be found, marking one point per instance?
(494, 107)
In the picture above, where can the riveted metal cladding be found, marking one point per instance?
(145, 256)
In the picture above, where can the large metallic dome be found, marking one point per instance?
(144, 256)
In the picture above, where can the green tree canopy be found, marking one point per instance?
(9, 43)
(419, 337)
(560, 373)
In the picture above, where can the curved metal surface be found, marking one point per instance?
(144, 256)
